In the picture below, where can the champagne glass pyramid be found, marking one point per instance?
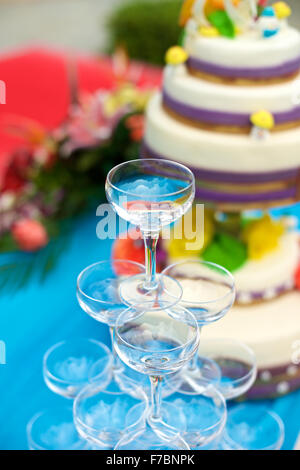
(150, 194)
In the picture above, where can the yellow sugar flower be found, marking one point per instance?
(282, 10)
(176, 55)
(209, 31)
(262, 236)
(263, 119)
(184, 243)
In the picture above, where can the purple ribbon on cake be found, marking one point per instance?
(222, 118)
(287, 68)
(215, 195)
(228, 177)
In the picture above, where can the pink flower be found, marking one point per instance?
(29, 234)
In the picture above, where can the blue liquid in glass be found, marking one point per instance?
(151, 186)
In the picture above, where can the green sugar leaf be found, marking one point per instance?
(221, 21)
(227, 251)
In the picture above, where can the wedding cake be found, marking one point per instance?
(229, 109)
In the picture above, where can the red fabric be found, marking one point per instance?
(37, 88)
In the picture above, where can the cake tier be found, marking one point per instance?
(272, 330)
(248, 56)
(201, 103)
(274, 274)
(266, 278)
(233, 172)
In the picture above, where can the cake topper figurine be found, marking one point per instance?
(263, 122)
(268, 23)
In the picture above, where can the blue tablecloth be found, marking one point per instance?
(42, 314)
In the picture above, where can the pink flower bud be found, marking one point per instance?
(29, 234)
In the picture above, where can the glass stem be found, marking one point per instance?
(193, 365)
(156, 384)
(116, 365)
(150, 240)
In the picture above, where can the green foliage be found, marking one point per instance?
(146, 28)
(17, 268)
(79, 179)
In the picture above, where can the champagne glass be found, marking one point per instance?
(237, 364)
(209, 293)
(158, 343)
(150, 194)
(53, 429)
(100, 414)
(250, 427)
(253, 427)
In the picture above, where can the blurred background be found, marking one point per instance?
(93, 25)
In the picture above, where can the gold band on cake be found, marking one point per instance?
(239, 81)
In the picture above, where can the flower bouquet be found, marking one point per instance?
(55, 176)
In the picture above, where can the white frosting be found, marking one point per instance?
(248, 50)
(216, 151)
(185, 88)
(271, 329)
(273, 270)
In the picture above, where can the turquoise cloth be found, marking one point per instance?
(42, 314)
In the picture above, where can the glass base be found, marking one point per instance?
(137, 385)
(146, 439)
(167, 293)
(172, 421)
(196, 381)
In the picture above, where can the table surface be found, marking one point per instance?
(40, 315)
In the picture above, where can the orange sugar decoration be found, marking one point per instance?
(213, 5)
(209, 7)
(186, 12)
